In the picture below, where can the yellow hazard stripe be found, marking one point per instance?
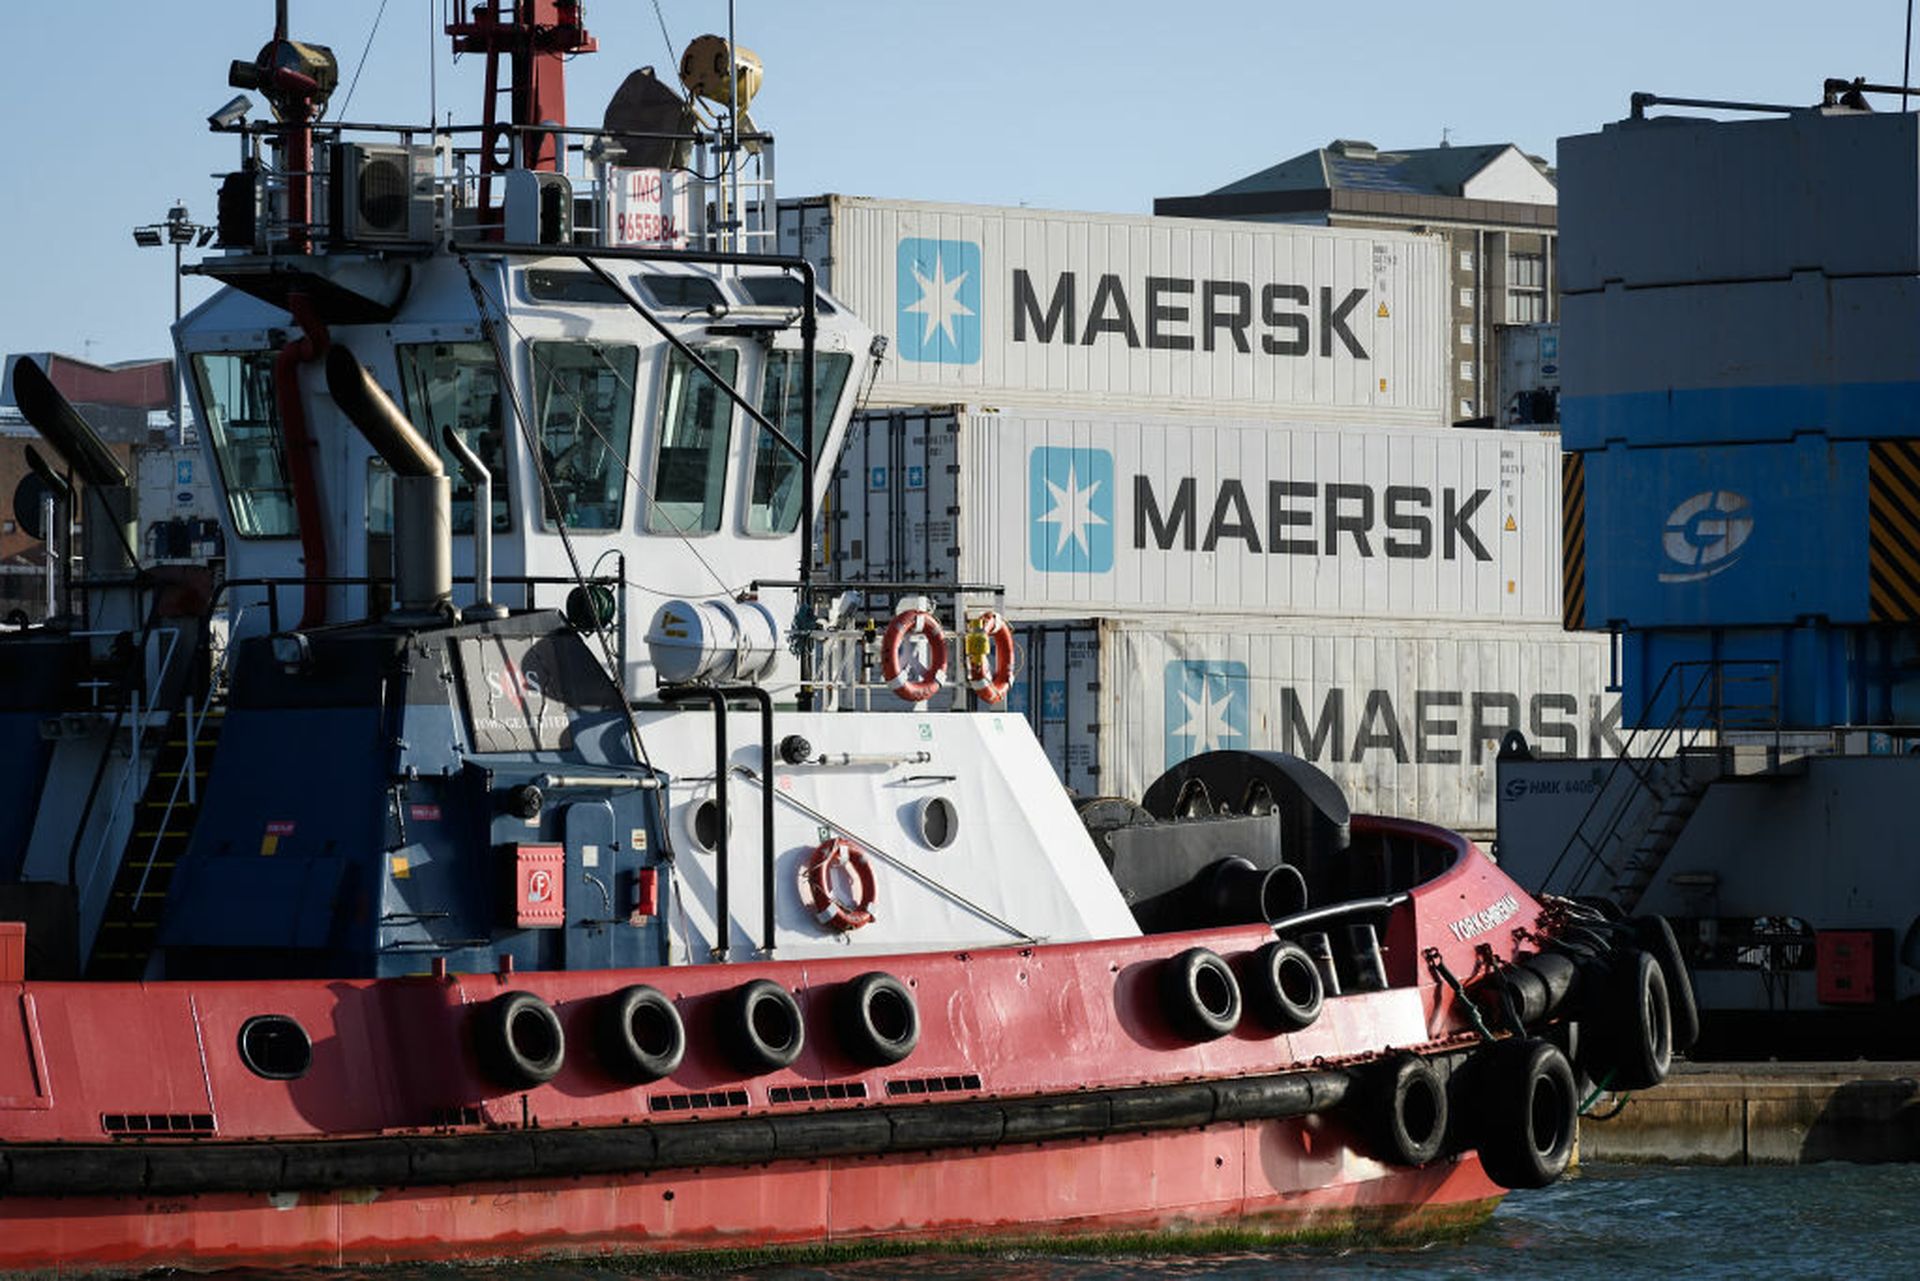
(1893, 531)
(1573, 541)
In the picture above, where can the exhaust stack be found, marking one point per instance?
(483, 607)
(108, 498)
(422, 525)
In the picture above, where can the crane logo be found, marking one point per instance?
(1704, 535)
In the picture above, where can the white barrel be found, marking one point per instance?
(720, 640)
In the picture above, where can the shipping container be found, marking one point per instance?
(1674, 201)
(1105, 515)
(1154, 314)
(1527, 375)
(1408, 719)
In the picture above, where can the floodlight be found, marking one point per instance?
(147, 237)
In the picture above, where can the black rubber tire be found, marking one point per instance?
(1527, 1112)
(1407, 1111)
(1283, 987)
(1631, 1048)
(877, 1019)
(1200, 995)
(519, 1040)
(640, 1035)
(1529, 993)
(1655, 934)
(1558, 972)
(760, 1027)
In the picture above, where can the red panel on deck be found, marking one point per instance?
(539, 885)
(1846, 966)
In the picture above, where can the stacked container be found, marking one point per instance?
(1211, 466)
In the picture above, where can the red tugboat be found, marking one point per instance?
(360, 917)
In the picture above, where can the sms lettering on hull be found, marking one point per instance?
(1153, 314)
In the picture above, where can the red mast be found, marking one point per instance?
(538, 36)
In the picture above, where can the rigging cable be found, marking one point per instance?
(355, 82)
(492, 335)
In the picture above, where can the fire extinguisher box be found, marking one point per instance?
(1853, 967)
(539, 886)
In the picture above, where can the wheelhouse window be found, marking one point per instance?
(583, 401)
(457, 385)
(690, 472)
(774, 505)
(244, 425)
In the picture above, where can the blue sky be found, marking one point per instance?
(1070, 104)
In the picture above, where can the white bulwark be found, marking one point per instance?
(1250, 319)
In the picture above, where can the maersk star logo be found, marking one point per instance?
(1206, 708)
(939, 291)
(1070, 510)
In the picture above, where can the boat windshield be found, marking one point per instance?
(243, 423)
(774, 507)
(583, 401)
(458, 385)
(690, 474)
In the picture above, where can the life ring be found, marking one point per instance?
(893, 655)
(1409, 1105)
(816, 885)
(1526, 1113)
(1201, 996)
(989, 647)
(519, 1040)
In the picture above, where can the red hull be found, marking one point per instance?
(1280, 1176)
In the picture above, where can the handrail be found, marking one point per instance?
(1683, 725)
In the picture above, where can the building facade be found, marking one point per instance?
(1495, 206)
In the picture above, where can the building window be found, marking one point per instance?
(1466, 409)
(1466, 300)
(1466, 371)
(1526, 289)
(1466, 335)
(1466, 260)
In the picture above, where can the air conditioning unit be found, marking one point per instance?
(381, 193)
(539, 207)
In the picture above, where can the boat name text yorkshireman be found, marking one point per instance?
(1504, 908)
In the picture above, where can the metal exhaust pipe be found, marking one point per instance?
(422, 527)
(484, 606)
(107, 497)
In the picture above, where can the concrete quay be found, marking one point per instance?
(1762, 1114)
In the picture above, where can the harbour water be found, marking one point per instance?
(1851, 1221)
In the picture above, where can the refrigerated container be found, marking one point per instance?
(1408, 719)
(1107, 514)
(979, 303)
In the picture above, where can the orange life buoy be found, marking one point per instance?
(990, 657)
(816, 885)
(893, 655)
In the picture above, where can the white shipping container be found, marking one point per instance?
(1156, 314)
(1104, 516)
(1407, 719)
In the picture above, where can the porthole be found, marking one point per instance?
(274, 1046)
(938, 822)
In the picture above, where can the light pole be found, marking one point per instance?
(178, 230)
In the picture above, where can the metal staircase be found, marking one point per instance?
(162, 824)
(1725, 723)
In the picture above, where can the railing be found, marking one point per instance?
(846, 637)
(1711, 700)
(723, 200)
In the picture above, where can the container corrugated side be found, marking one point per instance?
(1408, 720)
(980, 303)
(1112, 515)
